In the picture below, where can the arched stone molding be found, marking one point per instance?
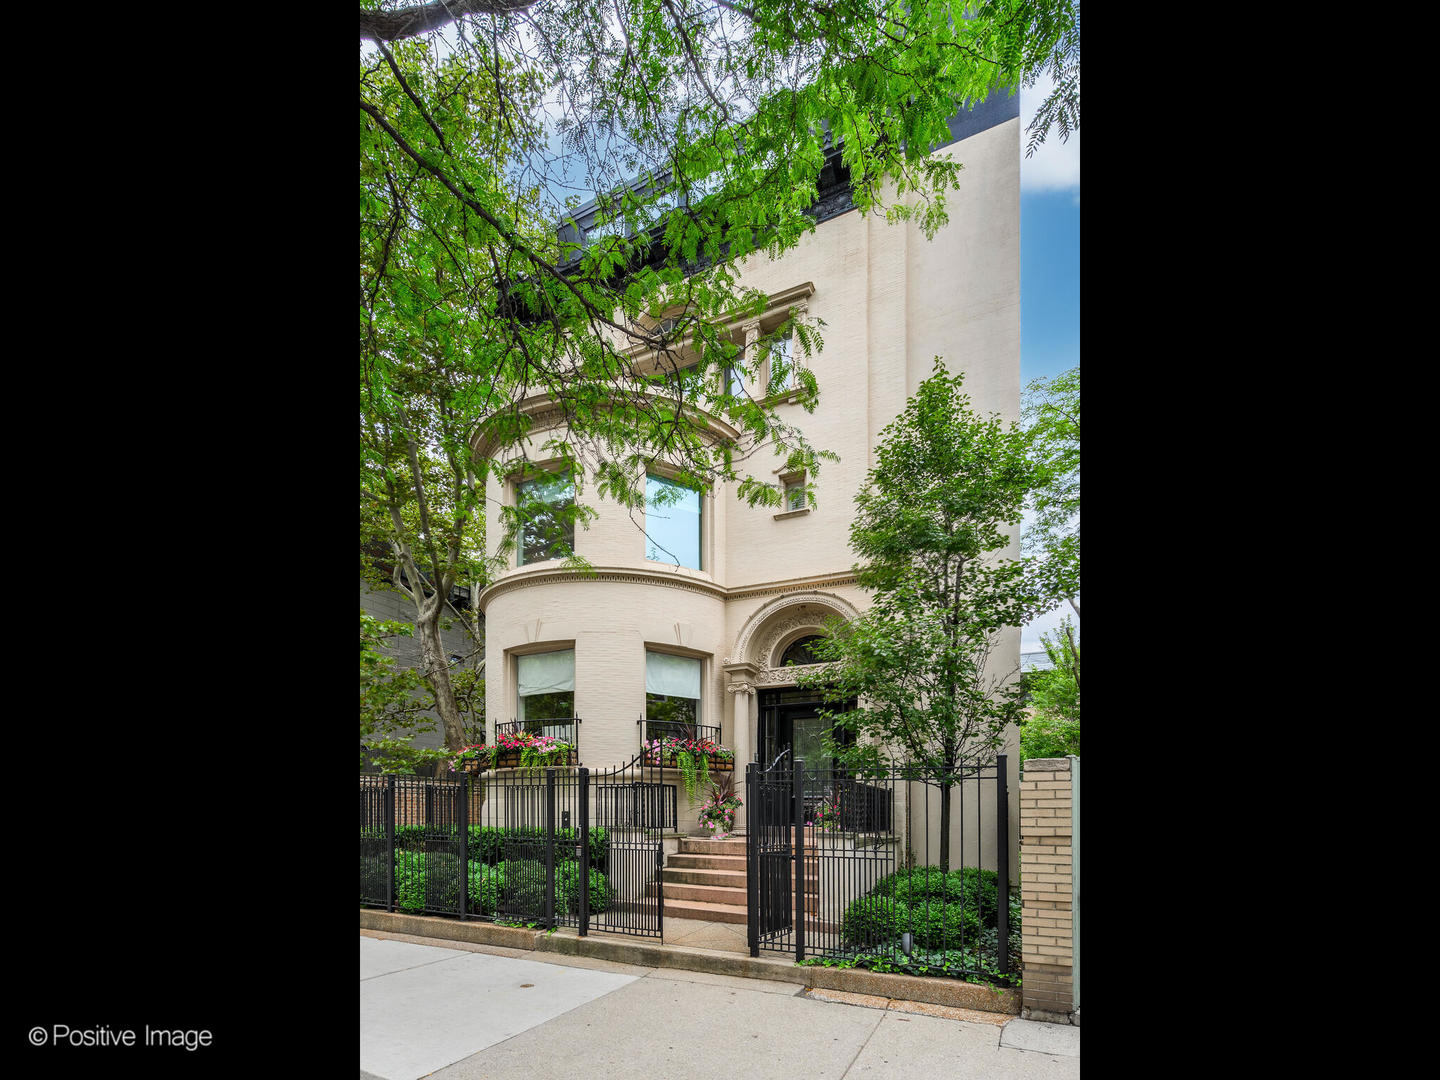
(771, 629)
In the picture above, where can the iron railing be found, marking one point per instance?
(856, 868)
(566, 729)
(676, 729)
(546, 846)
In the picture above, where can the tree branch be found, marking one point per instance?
(411, 21)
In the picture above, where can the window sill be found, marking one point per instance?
(788, 397)
(793, 513)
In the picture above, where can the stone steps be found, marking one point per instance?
(705, 880)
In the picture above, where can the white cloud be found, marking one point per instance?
(1055, 165)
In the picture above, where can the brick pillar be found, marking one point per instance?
(1046, 891)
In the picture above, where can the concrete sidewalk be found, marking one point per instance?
(463, 1011)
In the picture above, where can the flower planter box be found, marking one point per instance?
(716, 764)
(510, 759)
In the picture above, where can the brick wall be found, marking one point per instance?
(1046, 889)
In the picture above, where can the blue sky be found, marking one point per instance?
(1049, 276)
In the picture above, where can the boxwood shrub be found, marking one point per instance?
(941, 910)
(488, 844)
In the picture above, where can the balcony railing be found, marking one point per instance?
(566, 729)
(676, 729)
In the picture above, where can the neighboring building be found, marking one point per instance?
(388, 604)
(1036, 661)
(702, 630)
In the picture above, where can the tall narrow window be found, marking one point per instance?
(544, 535)
(734, 382)
(782, 370)
(672, 523)
(672, 696)
(546, 690)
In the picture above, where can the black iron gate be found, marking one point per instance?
(543, 846)
(775, 842)
(633, 806)
(858, 867)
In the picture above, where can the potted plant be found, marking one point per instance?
(718, 812)
(695, 758)
(473, 759)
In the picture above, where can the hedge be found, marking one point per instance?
(488, 843)
(941, 911)
(432, 880)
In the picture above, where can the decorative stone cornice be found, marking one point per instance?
(627, 575)
(520, 579)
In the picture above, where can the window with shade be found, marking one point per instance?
(672, 523)
(546, 691)
(672, 695)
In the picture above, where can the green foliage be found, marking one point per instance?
(489, 845)
(394, 702)
(931, 524)
(1053, 728)
(953, 918)
(716, 121)
(433, 880)
(1052, 413)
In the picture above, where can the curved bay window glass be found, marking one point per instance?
(546, 691)
(544, 535)
(800, 652)
(672, 696)
(672, 523)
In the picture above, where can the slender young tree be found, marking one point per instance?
(931, 525)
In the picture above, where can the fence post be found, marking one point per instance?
(389, 811)
(464, 844)
(1002, 861)
(549, 848)
(798, 812)
(584, 779)
(752, 860)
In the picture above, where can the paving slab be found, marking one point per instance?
(1042, 1038)
(423, 1016)
(660, 1026)
(383, 957)
(917, 1045)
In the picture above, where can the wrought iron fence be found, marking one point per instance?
(546, 846)
(858, 868)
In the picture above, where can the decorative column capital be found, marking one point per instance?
(740, 676)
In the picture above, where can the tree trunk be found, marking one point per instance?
(945, 828)
(437, 669)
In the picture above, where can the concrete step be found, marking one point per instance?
(686, 861)
(685, 876)
(709, 894)
(697, 909)
(729, 846)
(723, 879)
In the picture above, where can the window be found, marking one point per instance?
(546, 683)
(672, 523)
(800, 652)
(544, 534)
(781, 380)
(795, 493)
(734, 382)
(672, 695)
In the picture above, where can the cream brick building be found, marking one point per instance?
(762, 580)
